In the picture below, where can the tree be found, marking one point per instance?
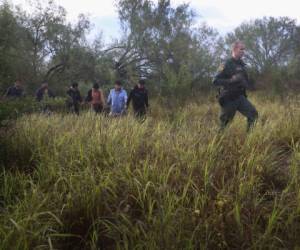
(12, 61)
(207, 54)
(54, 46)
(269, 41)
(160, 42)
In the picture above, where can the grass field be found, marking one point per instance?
(172, 182)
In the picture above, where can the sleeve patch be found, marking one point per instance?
(221, 67)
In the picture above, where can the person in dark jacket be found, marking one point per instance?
(15, 91)
(75, 99)
(232, 79)
(139, 98)
(43, 91)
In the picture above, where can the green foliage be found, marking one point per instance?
(12, 63)
(14, 108)
(43, 46)
(160, 41)
(270, 41)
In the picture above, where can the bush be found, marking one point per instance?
(14, 108)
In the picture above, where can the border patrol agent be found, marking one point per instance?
(232, 80)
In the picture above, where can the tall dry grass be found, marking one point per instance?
(172, 182)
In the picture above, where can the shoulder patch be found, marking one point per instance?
(221, 67)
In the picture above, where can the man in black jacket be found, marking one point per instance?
(43, 92)
(232, 78)
(139, 97)
(74, 98)
(15, 91)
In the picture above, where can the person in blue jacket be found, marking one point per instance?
(117, 100)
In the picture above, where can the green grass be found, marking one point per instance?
(172, 182)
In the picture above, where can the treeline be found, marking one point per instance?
(160, 42)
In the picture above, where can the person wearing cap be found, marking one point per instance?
(117, 100)
(96, 98)
(15, 91)
(74, 98)
(139, 97)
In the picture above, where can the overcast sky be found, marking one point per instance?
(224, 15)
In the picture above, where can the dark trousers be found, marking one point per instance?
(73, 107)
(140, 114)
(241, 104)
(76, 108)
(97, 108)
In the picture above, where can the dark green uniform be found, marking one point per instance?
(232, 93)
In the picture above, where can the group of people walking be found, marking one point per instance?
(117, 100)
(116, 104)
(231, 80)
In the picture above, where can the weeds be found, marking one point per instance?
(171, 182)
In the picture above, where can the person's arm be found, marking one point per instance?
(69, 92)
(89, 96)
(125, 99)
(102, 98)
(146, 99)
(70, 99)
(129, 98)
(50, 93)
(79, 97)
(109, 98)
(225, 77)
(221, 79)
(7, 93)
(38, 95)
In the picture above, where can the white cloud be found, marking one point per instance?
(94, 8)
(234, 12)
(223, 15)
